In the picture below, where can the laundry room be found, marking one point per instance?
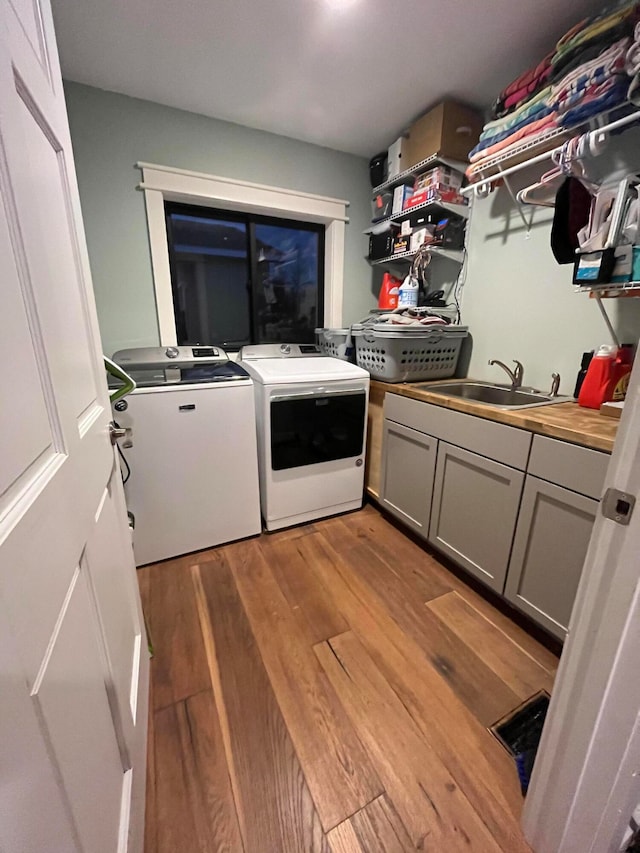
(367, 290)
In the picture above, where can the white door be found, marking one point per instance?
(73, 662)
(586, 781)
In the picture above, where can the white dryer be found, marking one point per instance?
(193, 455)
(311, 414)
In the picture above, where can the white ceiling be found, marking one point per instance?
(348, 74)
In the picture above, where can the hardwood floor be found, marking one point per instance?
(327, 689)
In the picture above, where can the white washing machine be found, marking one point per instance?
(193, 455)
(311, 414)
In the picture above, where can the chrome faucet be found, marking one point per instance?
(555, 384)
(514, 375)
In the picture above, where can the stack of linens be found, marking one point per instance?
(587, 74)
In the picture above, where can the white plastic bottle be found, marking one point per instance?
(408, 293)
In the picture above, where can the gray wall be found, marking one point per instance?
(111, 132)
(519, 303)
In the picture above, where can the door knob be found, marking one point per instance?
(116, 433)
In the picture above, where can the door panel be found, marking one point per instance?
(72, 700)
(109, 558)
(76, 668)
(475, 506)
(55, 252)
(24, 421)
(29, 784)
(27, 13)
(408, 468)
(554, 529)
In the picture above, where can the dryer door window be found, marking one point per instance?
(308, 429)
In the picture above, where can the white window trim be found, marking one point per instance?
(163, 183)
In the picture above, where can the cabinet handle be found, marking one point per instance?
(188, 407)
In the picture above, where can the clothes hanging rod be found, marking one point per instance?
(539, 158)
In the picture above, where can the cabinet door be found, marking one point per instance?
(408, 465)
(551, 543)
(475, 506)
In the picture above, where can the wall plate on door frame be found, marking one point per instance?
(618, 506)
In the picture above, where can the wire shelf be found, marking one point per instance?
(440, 208)
(457, 256)
(422, 166)
(528, 152)
(611, 290)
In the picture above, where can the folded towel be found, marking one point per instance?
(526, 84)
(597, 27)
(592, 105)
(590, 50)
(540, 112)
(535, 128)
(500, 124)
(589, 91)
(608, 63)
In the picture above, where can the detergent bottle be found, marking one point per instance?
(597, 383)
(388, 298)
(408, 296)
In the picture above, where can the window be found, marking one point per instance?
(166, 184)
(244, 278)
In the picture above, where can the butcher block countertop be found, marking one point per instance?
(566, 421)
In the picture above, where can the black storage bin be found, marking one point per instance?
(380, 245)
(378, 169)
(381, 205)
(449, 232)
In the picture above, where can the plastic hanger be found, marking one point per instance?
(115, 370)
(527, 195)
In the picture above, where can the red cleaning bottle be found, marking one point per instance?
(388, 299)
(597, 385)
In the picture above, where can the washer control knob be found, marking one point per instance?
(172, 352)
(285, 348)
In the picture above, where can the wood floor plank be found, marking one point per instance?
(316, 612)
(419, 572)
(338, 770)
(374, 829)
(291, 533)
(194, 807)
(421, 567)
(480, 766)
(179, 665)
(510, 662)
(434, 811)
(275, 808)
(479, 687)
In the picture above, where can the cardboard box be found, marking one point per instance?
(397, 157)
(623, 264)
(422, 235)
(415, 199)
(400, 245)
(400, 195)
(450, 130)
(440, 176)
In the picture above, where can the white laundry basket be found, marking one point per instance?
(336, 342)
(408, 353)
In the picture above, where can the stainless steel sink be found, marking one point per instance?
(500, 396)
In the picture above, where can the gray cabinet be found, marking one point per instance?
(552, 537)
(408, 468)
(514, 509)
(474, 512)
